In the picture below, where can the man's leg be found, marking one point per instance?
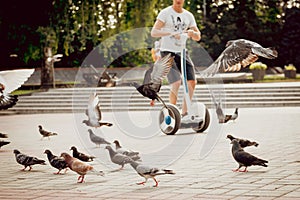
(174, 92)
(191, 86)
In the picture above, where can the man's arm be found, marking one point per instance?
(194, 33)
(156, 30)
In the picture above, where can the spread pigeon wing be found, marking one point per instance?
(93, 111)
(13, 79)
(161, 69)
(238, 54)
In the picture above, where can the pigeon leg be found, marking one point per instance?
(57, 172)
(30, 168)
(236, 170)
(156, 182)
(82, 177)
(245, 170)
(152, 103)
(141, 183)
(24, 168)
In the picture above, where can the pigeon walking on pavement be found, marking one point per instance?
(243, 142)
(243, 158)
(160, 70)
(10, 80)
(45, 133)
(93, 113)
(79, 167)
(117, 158)
(81, 156)
(27, 161)
(97, 139)
(149, 172)
(122, 150)
(238, 53)
(56, 162)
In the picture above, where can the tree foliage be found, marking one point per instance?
(76, 27)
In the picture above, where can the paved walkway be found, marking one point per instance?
(202, 162)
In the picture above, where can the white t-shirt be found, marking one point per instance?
(174, 22)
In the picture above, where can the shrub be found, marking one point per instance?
(258, 65)
(290, 67)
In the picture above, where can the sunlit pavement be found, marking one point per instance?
(202, 161)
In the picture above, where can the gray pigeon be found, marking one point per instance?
(149, 172)
(239, 53)
(220, 114)
(56, 162)
(243, 158)
(122, 150)
(94, 113)
(2, 143)
(118, 158)
(45, 133)
(97, 139)
(243, 142)
(27, 161)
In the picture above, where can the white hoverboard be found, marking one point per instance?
(198, 117)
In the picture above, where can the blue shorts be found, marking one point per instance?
(174, 74)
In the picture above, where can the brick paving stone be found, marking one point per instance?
(196, 178)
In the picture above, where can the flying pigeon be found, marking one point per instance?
(94, 113)
(79, 167)
(122, 150)
(243, 158)
(81, 156)
(160, 70)
(10, 80)
(220, 114)
(27, 161)
(149, 172)
(118, 158)
(56, 162)
(2, 135)
(45, 133)
(97, 139)
(239, 53)
(244, 143)
(2, 143)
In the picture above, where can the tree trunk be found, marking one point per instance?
(47, 72)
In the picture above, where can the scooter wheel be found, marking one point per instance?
(169, 120)
(202, 126)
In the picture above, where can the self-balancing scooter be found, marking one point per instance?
(198, 117)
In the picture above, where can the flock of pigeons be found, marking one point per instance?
(239, 53)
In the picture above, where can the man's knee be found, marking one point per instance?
(192, 83)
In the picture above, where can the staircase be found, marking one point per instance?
(125, 98)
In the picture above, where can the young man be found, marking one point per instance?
(170, 23)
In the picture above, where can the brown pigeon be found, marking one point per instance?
(45, 133)
(239, 53)
(79, 167)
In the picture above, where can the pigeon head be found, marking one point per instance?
(117, 143)
(66, 156)
(2, 87)
(85, 121)
(230, 137)
(40, 127)
(16, 151)
(47, 151)
(73, 148)
(90, 131)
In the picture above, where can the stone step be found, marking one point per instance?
(127, 98)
